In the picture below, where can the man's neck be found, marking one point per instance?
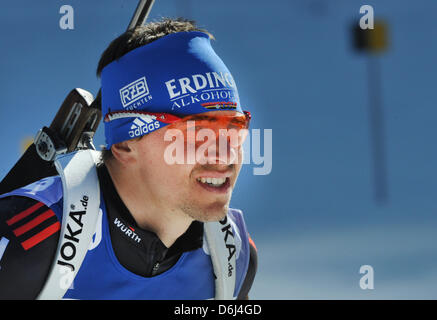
(167, 223)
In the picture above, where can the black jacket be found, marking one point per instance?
(28, 247)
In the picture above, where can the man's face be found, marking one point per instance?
(201, 190)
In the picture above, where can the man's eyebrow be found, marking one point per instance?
(202, 117)
(237, 121)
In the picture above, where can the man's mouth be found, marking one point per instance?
(220, 185)
(214, 182)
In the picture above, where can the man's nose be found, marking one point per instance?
(221, 152)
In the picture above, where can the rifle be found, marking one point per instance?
(73, 128)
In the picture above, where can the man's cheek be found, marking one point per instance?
(239, 161)
(178, 175)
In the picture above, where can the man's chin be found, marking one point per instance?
(212, 212)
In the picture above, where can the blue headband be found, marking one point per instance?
(179, 74)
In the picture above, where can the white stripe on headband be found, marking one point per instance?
(148, 118)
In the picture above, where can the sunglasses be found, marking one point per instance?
(232, 126)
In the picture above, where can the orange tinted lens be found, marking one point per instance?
(201, 121)
(233, 128)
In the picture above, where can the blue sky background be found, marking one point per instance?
(314, 218)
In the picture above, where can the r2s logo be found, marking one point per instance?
(133, 92)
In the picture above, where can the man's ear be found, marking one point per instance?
(124, 152)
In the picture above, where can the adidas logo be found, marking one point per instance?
(143, 125)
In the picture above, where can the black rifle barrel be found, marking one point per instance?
(141, 13)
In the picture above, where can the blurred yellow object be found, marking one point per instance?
(377, 40)
(371, 40)
(25, 143)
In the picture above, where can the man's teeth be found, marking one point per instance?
(212, 181)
